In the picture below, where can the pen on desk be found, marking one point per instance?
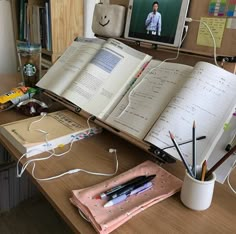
(203, 172)
(111, 191)
(185, 142)
(128, 189)
(181, 155)
(217, 164)
(123, 197)
(231, 143)
(194, 149)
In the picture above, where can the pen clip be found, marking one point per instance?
(144, 190)
(141, 189)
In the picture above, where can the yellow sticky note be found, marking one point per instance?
(217, 26)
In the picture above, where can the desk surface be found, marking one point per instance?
(168, 216)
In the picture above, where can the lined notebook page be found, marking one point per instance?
(138, 110)
(208, 97)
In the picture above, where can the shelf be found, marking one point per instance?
(65, 22)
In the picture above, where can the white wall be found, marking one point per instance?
(8, 59)
(88, 17)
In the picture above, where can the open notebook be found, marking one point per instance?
(128, 91)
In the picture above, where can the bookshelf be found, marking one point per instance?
(65, 22)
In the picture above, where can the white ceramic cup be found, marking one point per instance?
(197, 194)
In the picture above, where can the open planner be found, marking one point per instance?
(145, 98)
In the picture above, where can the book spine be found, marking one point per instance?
(26, 22)
(48, 28)
(60, 142)
(21, 19)
(43, 35)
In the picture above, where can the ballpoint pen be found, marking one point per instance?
(123, 197)
(128, 189)
(185, 142)
(111, 191)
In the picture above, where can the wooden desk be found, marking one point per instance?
(168, 216)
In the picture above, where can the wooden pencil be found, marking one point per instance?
(181, 155)
(204, 169)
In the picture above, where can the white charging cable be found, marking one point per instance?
(80, 170)
(52, 153)
(19, 172)
(212, 36)
(228, 181)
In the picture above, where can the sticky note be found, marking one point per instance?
(231, 23)
(217, 26)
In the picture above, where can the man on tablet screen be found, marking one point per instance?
(153, 21)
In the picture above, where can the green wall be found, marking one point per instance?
(169, 10)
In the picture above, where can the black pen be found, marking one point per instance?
(194, 150)
(185, 142)
(111, 191)
(127, 189)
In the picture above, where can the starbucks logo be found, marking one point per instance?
(29, 69)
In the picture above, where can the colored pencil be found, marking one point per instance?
(217, 164)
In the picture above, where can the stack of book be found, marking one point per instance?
(35, 23)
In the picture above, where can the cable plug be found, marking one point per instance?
(189, 20)
(112, 150)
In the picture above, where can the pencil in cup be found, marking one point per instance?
(194, 149)
(203, 171)
(181, 155)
